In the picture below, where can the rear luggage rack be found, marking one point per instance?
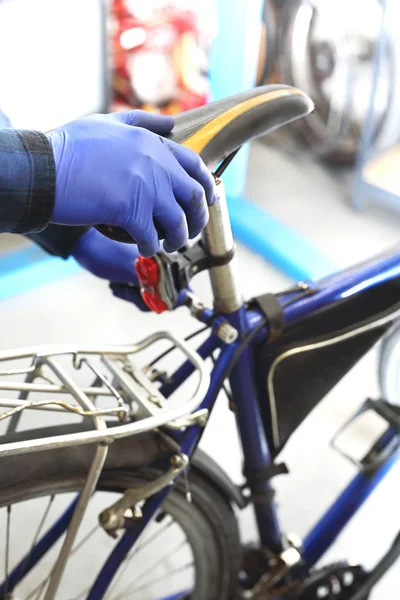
(49, 378)
(38, 379)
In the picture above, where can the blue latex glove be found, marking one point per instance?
(117, 170)
(105, 258)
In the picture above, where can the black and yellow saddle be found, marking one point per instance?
(216, 130)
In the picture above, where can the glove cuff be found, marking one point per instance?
(59, 240)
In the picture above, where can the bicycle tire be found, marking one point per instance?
(208, 521)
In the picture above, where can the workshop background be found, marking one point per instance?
(304, 202)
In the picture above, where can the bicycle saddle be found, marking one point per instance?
(217, 129)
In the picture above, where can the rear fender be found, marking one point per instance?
(210, 470)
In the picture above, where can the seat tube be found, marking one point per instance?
(255, 448)
(218, 241)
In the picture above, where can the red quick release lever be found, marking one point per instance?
(148, 272)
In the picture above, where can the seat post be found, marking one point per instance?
(218, 241)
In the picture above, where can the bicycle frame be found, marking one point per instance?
(329, 291)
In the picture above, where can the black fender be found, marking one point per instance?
(135, 453)
(206, 466)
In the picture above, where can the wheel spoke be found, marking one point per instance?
(85, 539)
(164, 557)
(160, 531)
(79, 545)
(136, 580)
(153, 581)
(39, 589)
(135, 551)
(169, 552)
(38, 532)
(7, 556)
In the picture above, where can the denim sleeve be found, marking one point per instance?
(27, 181)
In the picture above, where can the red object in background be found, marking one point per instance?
(149, 277)
(159, 61)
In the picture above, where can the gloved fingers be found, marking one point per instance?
(191, 197)
(173, 222)
(145, 236)
(195, 167)
(161, 124)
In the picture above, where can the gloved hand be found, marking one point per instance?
(105, 258)
(117, 170)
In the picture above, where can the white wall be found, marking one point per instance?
(51, 61)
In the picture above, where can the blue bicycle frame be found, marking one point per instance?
(374, 277)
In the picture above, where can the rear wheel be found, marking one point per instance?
(190, 550)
